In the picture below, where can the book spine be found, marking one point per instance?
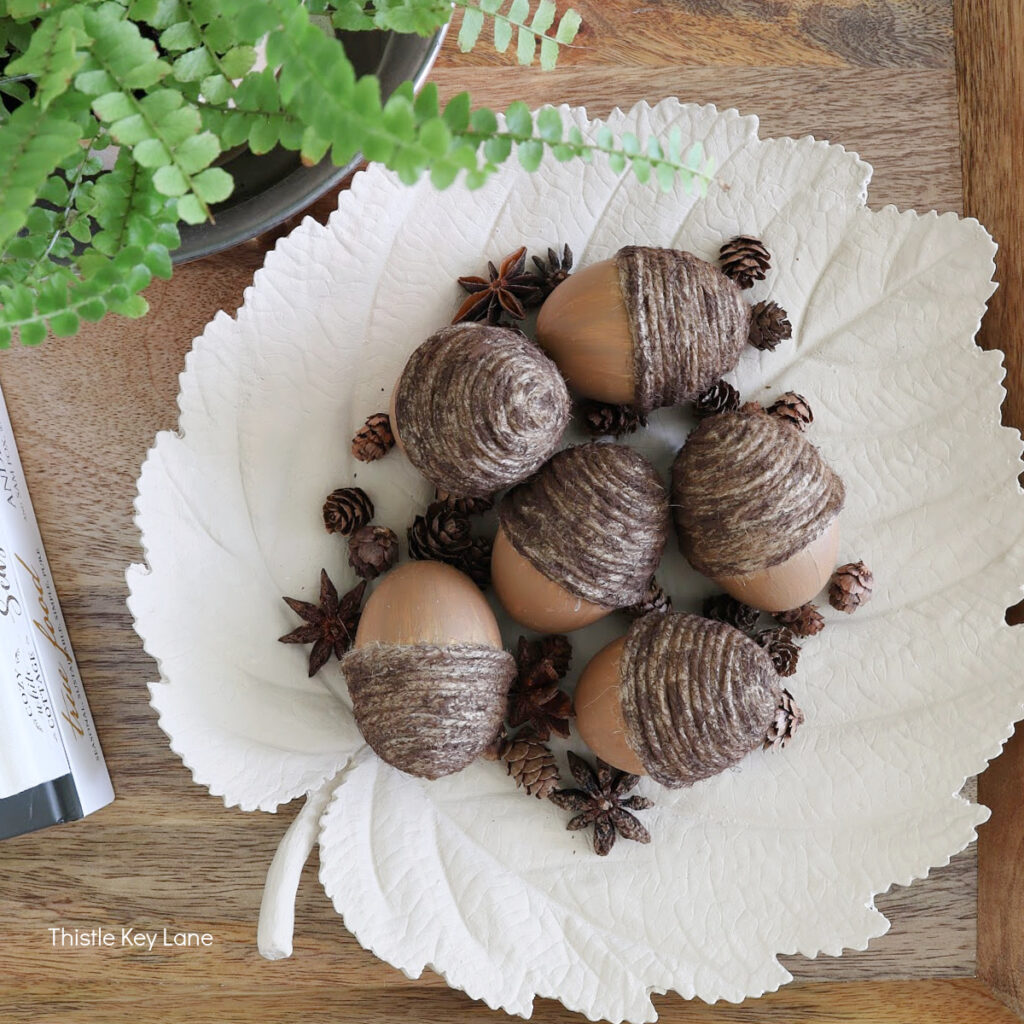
(48, 635)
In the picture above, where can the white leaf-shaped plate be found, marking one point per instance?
(904, 700)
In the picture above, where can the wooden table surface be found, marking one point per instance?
(880, 76)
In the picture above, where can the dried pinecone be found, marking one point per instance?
(601, 419)
(441, 534)
(745, 260)
(655, 600)
(530, 763)
(465, 506)
(535, 697)
(793, 408)
(724, 608)
(720, 397)
(346, 509)
(475, 561)
(803, 621)
(557, 268)
(374, 439)
(769, 326)
(851, 587)
(599, 802)
(372, 550)
(330, 625)
(508, 288)
(788, 718)
(781, 648)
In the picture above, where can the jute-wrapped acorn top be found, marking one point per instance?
(697, 696)
(688, 321)
(479, 408)
(594, 519)
(749, 492)
(425, 709)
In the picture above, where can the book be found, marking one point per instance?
(51, 765)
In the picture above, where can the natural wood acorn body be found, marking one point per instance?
(478, 408)
(680, 698)
(649, 327)
(756, 509)
(580, 538)
(428, 677)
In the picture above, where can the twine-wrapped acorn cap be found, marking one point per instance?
(697, 696)
(749, 492)
(688, 322)
(594, 519)
(425, 709)
(479, 408)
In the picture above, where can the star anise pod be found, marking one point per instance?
(557, 268)
(720, 397)
(781, 648)
(769, 326)
(804, 621)
(601, 801)
(536, 698)
(724, 608)
(330, 625)
(602, 419)
(508, 288)
(788, 718)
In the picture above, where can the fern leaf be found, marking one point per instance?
(52, 57)
(32, 144)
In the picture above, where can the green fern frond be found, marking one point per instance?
(529, 32)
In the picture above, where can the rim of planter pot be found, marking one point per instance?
(275, 186)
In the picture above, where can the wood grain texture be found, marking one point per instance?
(990, 71)
(85, 411)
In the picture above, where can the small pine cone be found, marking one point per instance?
(601, 419)
(655, 600)
(531, 764)
(372, 550)
(475, 561)
(851, 587)
(745, 260)
(465, 506)
(792, 408)
(769, 326)
(440, 534)
(557, 650)
(788, 718)
(781, 648)
(346, 509)
(803, 621)
(724, 608)
(374, 439)
(752, 407)
(720, 397)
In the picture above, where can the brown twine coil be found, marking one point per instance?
(697, 696)
(594, 519)
(749, 492)
(479, 408)
(425, 709)
(688, 321)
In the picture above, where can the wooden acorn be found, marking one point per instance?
(580, 538)
(679, 698)
(756, 508)
(478, 408)
(649, 327)
(428, 675)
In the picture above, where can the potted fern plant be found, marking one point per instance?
(126, 126)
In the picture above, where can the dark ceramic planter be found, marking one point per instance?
(271, 188)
